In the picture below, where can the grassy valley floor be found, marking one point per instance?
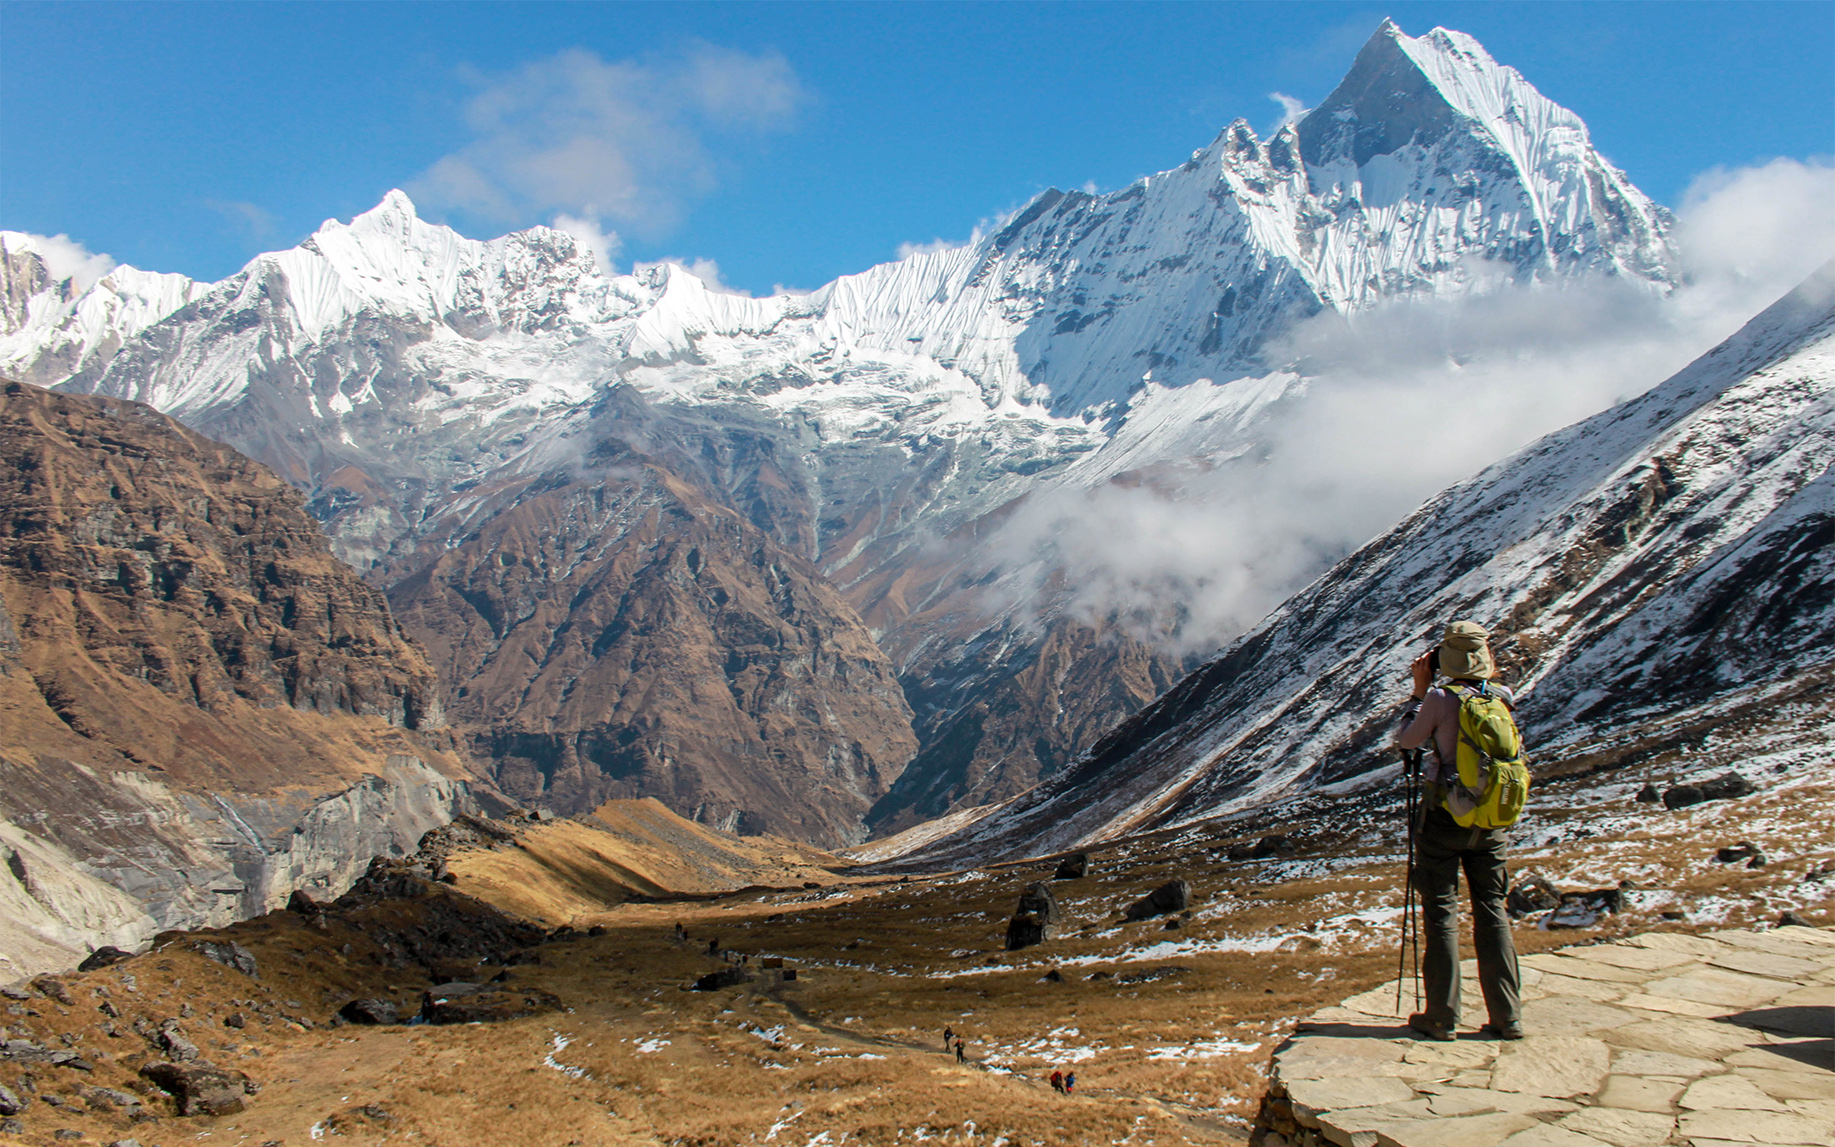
(1168, 1023)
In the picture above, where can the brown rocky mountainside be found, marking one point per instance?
(200, 707)
(616, 633)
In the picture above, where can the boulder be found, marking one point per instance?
(1026, 930)
(12, 1103)
(1530, 895)
(1726, 786)
(1173, 896)
(199, 1088)
(227, 953)
(1038, 900)
(1745, 850)
(1073, 867)
(175, 1045)
(303, 903)
(102, 957)
(725, 978)
(1649, 794)
(487, 1005)
(53, 989)
(1272, 845)
(371, 1012)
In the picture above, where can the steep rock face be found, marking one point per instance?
(622, 635)
(1664, 563)
(872, 425)
(203, 709)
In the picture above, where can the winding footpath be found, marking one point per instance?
(1661, 1040)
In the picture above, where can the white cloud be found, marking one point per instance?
(706, 270)
(255, 221)
(1400, 402)
(935, 246)
(1291, 109)
(587, 231)
(65, 258)
(625, 141)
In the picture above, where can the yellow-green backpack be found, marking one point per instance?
(1490, 766)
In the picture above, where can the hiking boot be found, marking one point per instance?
(1419, 1025)
(1503, 1031)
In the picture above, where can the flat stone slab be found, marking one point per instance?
(1658, 1040)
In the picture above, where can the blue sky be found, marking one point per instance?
(788, 143)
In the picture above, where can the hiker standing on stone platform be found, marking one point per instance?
(1451, 837)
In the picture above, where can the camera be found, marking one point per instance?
(1433, 663)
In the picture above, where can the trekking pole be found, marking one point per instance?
(1411, 763)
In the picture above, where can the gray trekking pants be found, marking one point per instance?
(1442, 849)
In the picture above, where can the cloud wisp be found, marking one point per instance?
(606, 144)
(65, 258)
(1395, 404)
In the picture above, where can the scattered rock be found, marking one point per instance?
(1272, 845)
(1152, 975)
(1100, 976)
(1649, 794)
(66, 1133)
(371, 1012)
(1053, 977)
(235, 1020)
(199, 1088)
(1744, 850)
(125, 1143)
(109, 1097)
(12, 1126)
(1174, 924)
(53, 989)
(1073, 867)
(13, 993)
(227, 953)
(1726, 786)
(1531, 894)
(102, 957)
(1173, 896)
(1791, 919)
(488, 1005)
(11, 1103)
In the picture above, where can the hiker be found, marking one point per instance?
(713, 946)
(1443, 847)
(1070, 1082)
(961, 1056)
(1057, 1081)
(681, 933)
(949, 1037)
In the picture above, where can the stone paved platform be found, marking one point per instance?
(1662, 1039)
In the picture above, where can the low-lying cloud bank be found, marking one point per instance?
(1397, 403)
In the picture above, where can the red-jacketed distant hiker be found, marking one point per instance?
(961, 1052)
(1461, 798)
(1057, 1081)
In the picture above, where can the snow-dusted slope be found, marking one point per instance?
(53, 328)
(1667, 561)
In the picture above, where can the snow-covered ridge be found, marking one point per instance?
(52, 328)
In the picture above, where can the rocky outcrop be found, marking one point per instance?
(201, 709)
(613, 632)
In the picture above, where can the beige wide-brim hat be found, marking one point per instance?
(1465, 651)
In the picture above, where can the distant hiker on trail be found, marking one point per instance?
(681, 934)
(961, 1054)
(1057, 1081)
(1070, 1082)
(1474, 790)
(713, 946)
(949, 1037)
